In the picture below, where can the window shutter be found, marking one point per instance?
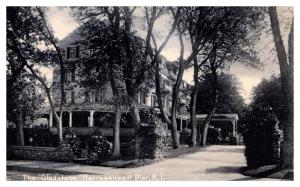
(77, 51)
(65, 97)
(68, 52)
(73, 97)
(73, 74)
(87, 96)
(97, 95)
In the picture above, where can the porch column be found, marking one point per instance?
(91, 121)
(50, 119)
(233, 127)
(180, 124)
(70, 118)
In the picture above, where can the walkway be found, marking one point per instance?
(211, 163)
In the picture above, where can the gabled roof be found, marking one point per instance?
(70, 38)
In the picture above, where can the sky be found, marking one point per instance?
(63, 23)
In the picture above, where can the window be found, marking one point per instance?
(163, 102)
(153, 100)
(100, 95)
(92, 96)
(73, 97)
(143, 98)
(161, 81)
(97, 97)
(167, 103)
(68, 76)
(92, 51)
(73, 74)
(168, 83)
(86, 96)
(73, 52)
(67, 98)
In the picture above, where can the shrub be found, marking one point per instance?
(262, 138)
(234, 140)
(73, 141)
(155, 136)
(98, 147)
(185, 136)
(40, 137)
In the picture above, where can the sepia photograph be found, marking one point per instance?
(149, 93)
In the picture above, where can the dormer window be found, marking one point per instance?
(73, 52)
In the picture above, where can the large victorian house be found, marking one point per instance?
(86, 108)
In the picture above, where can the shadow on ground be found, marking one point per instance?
(225, 169)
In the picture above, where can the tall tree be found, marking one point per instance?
(138, 56)
(156, 60)
(233, 31)
(260, 123)
(286, 64)
(206, 28)
(111, 37)
(26, 30)
(230, 99)
(23, 100)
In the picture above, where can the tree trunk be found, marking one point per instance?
(20, 129)
(165, 117)
(47, 90)
(118, 113)
(206, 125)
(193, 116)
(58, 119)
(286, 75)
(193, 104)
(175, 91)
(136, 120)
(116, 146)
(175, 137)
(60, 130)
(62, 75)
(199, 135)
(214, 83)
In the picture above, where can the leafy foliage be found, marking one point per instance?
(99, 145)
(72, 139)
(230, 100)
(98, 148)
(121, 55)
(30, 46)
(262, 137)
(185, 135)
(23, 97)
(269, 94)
(261, 129)
(40, 137)
(155, 136)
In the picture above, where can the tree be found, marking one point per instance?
(151, 17)
(286, 64)
(261, 126)
(104, 64)
(230, 100)
(137, 56)
(119, 53)
(231, 42)
(26, 30)
(23, 100)
(209, 29)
